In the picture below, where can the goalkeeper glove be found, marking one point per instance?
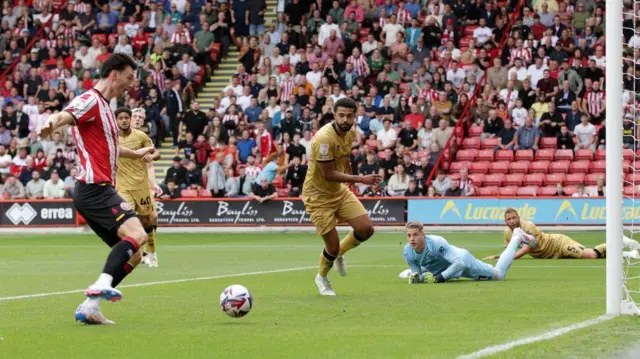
(438, 279)
(415, 278)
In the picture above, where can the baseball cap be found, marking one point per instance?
(177, 159)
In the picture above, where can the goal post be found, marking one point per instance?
(614, 182)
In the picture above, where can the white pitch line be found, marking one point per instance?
(538, 338)
(173, 281)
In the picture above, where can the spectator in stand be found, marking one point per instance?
(550, 122)
(12, 189)
(580, 191)
(177, 173)
(442, 183)
(35, 187)
(493, 125)
(194, 176)
(559, 191)
(216, 176)
(413, 190)
(468, 188)
(387, 137)
(599, 190)
(263, 192)
(375, 190)
(172, 191)
(565, 139)
(442, 134)
(527, 136)
(602, 137)
(294, 179)
(5, 159)
(573, 116)
(454, 190)
(54, 187)
(399, 182)
(585, 135)
(507, 137)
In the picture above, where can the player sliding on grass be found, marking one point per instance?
(552, 246)
(328, 200)
(136, 179)
(432, 259)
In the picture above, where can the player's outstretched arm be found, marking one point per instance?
(54, 122)
(137, 154)
(456, 264)
(331, 174)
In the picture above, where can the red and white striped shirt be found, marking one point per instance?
(430, 95)
(286, 89)
(158, 79)
(523, 54)
(404, 17)
(265, 142)
(595, 101)
(177, 38)
(80, 7)
(359, 64)
(95, 136)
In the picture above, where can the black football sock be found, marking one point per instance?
(119, 256)
(122, 273)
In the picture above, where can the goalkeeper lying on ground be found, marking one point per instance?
(554, 246)
(432, 258)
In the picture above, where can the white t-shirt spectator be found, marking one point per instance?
(325, 31)
(584, 133)
(244, 101)
(482, 35)
(521, 73)
(509, 97)
(387, 137)
(390, 30)
(123, 49)
(314, 78)
(54, 190)
(5, 163)
(577, 194)
(237, 90)
(536, 74)
(456, 77)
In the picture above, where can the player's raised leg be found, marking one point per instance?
(327, 259)
(507, 256)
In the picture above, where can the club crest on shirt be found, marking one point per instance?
(324, 149)
(126, 206)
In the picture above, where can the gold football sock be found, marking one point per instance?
(326, 262)
(601, 249)
(348, 243)
(151, 244)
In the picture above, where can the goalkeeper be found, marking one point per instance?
(440, 261)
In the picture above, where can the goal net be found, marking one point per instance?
(623, 82)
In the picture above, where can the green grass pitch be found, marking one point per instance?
(375, 315)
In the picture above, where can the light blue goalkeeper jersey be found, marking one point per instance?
(440, 257)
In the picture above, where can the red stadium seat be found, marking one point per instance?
(499, 167)
(205, 193)
(633, 177)
(519, 167)
(479, 167)
(464, 42)
(524, 155)
(475, 131)
(189, 193)
(570, 190)
(547, 191)
(485, 155)
(457, 166)
(467, 155)
(592, 178)
(553, 179)
(539, 167)
(574, 179)
(514, 179)
(471, 142)
(494, 179)
(545, 155)
(468, 30)
(504, 155)
(559, 167)
(454, 176)
(631, 191)
(477, 179)
(579, 166)
(598, 166)
(627, 167)
(601, 154)
(490, 142)
(564, 155)
(628, 154)
(507, 191)
(584, 154)
(283, 192)
(549, 142)
(278, 182)
(529, 191)
(534, 179)
(487, 191)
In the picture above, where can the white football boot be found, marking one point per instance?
(152, 260)
(91, 316)
(405, 274)
(630, 243)
(324, 286)
(340, 265)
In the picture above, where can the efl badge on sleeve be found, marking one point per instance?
(324, 150)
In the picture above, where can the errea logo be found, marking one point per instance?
(21, 213)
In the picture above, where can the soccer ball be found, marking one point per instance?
(236, 301)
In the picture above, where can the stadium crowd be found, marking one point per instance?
(427, 77)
